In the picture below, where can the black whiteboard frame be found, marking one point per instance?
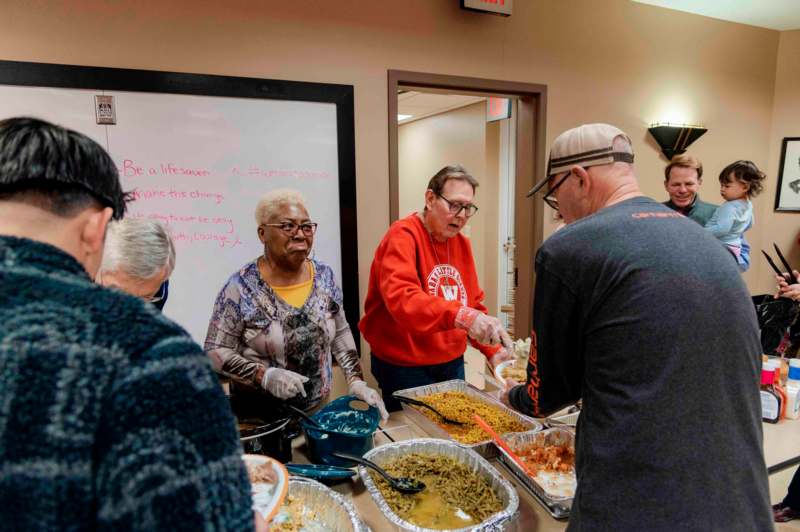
(122, 79)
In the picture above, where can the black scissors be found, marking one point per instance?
(786, 274)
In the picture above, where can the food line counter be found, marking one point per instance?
(781, 444)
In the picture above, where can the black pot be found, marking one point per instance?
(271, 439)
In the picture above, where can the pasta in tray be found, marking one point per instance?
(454, 495)
(461, 407)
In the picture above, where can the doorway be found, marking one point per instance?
(507, 156)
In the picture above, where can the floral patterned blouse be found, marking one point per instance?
(251, 326)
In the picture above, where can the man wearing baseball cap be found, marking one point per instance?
(641, 315)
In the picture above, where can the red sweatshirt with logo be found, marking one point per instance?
(416, 287)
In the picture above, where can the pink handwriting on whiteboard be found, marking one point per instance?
(170, 219)
(131, 168)
(176, 194)
(218, 239)
(257, 171)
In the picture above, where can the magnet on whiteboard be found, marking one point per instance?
(104, 110)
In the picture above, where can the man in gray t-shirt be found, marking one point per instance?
(641, 314)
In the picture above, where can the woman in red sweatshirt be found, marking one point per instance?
(423, 299)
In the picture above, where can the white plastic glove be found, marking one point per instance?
(483, 329)
(502, 355)
(283, 384)
(360, 389)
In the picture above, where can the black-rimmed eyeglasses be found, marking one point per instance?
(549, 197)
(290, 228)
(456, 208)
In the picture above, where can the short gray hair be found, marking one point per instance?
(140, 247)
(454, 171)
(272, 201)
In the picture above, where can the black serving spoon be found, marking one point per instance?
(417, 402)
(303, 415)
(401, 484)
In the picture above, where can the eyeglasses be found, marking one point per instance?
(549, 197)
(290, 228)
(455, 208)
(160, 295)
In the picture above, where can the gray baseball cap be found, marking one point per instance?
(586, 145)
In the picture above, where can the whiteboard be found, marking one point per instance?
(199, 163)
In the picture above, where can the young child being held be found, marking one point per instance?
(739, 182)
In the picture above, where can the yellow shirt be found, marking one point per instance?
(296, 294)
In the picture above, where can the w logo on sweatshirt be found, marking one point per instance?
(445, 281)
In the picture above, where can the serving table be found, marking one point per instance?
(532, 516)
(781, 444)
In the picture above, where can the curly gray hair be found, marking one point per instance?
(272, 201)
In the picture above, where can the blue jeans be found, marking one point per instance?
(392, 377)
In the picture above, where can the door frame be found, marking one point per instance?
(530, 163)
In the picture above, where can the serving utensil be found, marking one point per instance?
(303, 415)
(787, 275)
(499, 441)
(417, 402)
(401, 484)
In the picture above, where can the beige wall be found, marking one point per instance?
(771, 226)
(455, 137)
(603, 60)
(489, 209)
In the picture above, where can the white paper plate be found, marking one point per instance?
(267, 498)
(498, 371)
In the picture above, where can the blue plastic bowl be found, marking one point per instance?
(344, 429)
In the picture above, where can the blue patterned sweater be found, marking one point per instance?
(110, 415)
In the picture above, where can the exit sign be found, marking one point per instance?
(495, 7)
(497, 109)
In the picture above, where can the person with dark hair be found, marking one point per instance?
(739, 182)
(633, 304)
(111, 417)
(423, 299)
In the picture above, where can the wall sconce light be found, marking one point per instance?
(675, 138)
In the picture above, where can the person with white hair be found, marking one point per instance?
(139, 258)
(279, 319)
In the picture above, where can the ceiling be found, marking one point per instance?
(779, 15)
(422, 104)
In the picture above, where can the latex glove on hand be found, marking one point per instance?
(360, 389)
(502, 355)
(483, 329)
(508, 385)
(283, 384)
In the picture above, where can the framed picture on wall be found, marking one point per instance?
(787, 198)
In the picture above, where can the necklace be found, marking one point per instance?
(433, 245)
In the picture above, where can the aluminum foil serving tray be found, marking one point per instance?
(503, 520)
(559, 507)
(485, 448)
(333, 511)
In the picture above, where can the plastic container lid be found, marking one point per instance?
(794, 362)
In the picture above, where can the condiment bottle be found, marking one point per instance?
(776, 366)
(793, 389)
(770, 399)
